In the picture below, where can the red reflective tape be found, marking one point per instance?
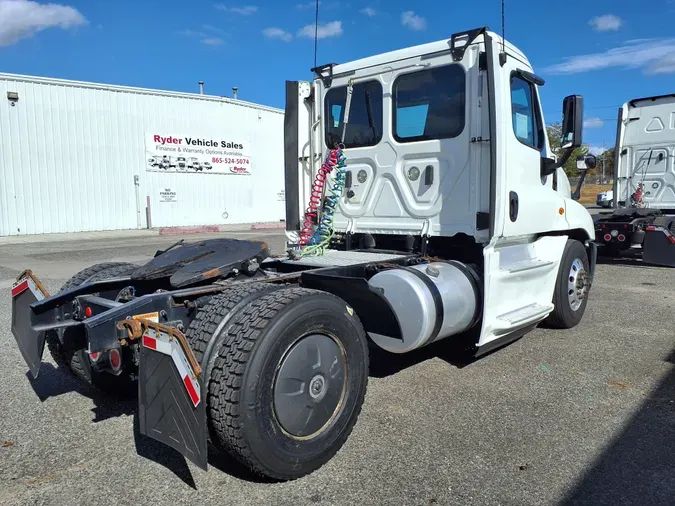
(671, 239)
(650, 228)
(191, 390)
(149, 342)
(20, 288)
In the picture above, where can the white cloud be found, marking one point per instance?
(332, 29)
(277, 33)
(368, 11)
(653, 56)
(593, 123)
(413, 21)
(192, 33)
(21, 19)
(214, 29)
(212, 41)
(244, 10)
(206, 38)
(665, 66)
(595, 150)
(606, 23)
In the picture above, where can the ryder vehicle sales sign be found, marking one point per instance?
(168, 152)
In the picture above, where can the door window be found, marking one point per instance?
(525, 113)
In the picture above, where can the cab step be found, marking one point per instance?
(524, 314)
(528, 264)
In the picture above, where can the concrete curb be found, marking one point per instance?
(269, 226)
(187, 230)
(206, 229)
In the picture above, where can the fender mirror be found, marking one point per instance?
(587, 162)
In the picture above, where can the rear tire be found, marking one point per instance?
(76, 362)
(571, 289)
(207, 329)
(291, 355)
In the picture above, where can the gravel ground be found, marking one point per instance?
(559, 417)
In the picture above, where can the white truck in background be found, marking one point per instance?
(642, 199)
(423, 204)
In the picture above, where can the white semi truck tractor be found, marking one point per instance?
(423, 206)
(642, 221)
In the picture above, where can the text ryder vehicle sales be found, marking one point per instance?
(171, 143)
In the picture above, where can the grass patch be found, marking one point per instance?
(589, 192)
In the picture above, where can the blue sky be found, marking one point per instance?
(605, 50)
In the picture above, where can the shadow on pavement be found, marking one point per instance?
(175, 462)
(638, 467)
(51, 382)
(455, 351)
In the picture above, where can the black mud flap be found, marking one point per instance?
(658, 247)
(171, 408)
(26, 291)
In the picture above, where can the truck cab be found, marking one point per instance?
(643, 195)
(446, 152)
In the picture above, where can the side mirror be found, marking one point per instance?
(587, 162)
(573, 122)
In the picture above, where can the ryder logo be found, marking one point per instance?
(239, 170)
(167, 140)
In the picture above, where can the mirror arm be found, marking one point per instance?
(565, 156)
(577, 191)
(549, 166)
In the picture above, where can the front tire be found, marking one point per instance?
(571, 289)
(288, 383)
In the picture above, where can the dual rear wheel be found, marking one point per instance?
(286, 371)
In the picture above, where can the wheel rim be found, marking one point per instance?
(310, 386)
(577, 284)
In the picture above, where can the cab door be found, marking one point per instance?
(530, 204)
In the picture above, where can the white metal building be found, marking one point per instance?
(78, 156)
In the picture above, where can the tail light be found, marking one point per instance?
(607, 237)
(115, 359)
(622, 237)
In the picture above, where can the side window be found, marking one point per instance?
(365, 115)
(429, 104)
(525, 113)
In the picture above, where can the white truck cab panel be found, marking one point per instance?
(645, 151)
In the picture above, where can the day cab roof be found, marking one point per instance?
(420, 50)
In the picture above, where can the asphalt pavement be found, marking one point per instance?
(585, 416)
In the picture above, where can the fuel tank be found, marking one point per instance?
(430, 301)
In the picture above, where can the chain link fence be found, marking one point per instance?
(590, 179)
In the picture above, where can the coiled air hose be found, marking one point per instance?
(313, 242)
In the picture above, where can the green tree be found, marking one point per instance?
(554, 132)
(608, 157)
